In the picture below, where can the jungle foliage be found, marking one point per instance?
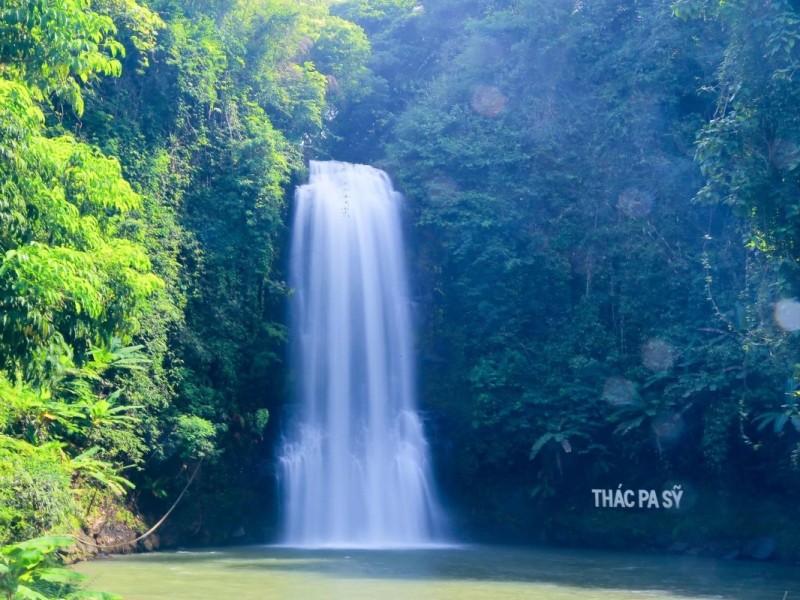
(603, 195)
(145, 156)
(604, 227)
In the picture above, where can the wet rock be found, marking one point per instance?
(151, 543)
(83, 549)
(116, 537)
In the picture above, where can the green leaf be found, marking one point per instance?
(27, 593)
(59, 575)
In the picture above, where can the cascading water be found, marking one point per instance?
(355, 472)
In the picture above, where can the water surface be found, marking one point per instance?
(467, 573)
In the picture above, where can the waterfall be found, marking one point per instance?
(355, 468)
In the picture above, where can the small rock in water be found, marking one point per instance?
(151, 543)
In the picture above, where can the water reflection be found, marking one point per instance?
(466, 572)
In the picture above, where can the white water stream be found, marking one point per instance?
(355, 469)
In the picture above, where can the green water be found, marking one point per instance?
(475, 572)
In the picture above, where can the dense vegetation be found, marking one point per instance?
(146, 158)
(609, 271)
(605, 221)
(604, 193)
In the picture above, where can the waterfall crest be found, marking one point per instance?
(355, 468)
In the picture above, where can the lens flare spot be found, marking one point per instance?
(618, 391)
(442, 187)
(785, 155)
(669, 427)
(487, 100)
(787, 314)
(657, 355)
(635, 203)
